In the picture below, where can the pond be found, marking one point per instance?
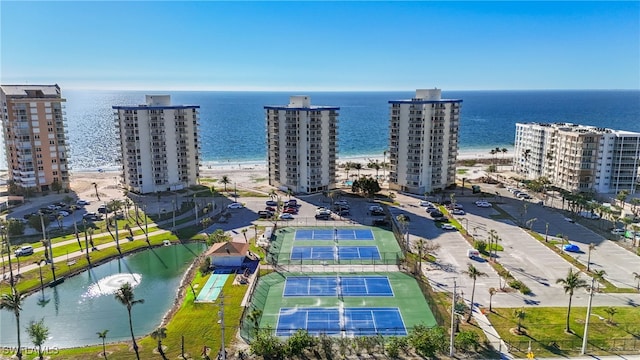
(83, 305)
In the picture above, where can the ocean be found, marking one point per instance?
(232, 124)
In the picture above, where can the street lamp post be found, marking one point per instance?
(86, 241)
(586, 321)
(173, 202)
(453, 319)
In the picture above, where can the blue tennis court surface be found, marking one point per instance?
(335, 234)
(334, 285)
(332, 321)
(335, 253)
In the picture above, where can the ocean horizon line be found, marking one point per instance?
(336, 90)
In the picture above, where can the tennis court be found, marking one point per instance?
(337, 285)
(335, 253)
(332, 321)
(335, 234)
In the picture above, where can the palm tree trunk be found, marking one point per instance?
(18, 352)
(473, 290)
(568, 313)
(104, 349)
(133, 337)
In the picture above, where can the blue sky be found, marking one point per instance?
(214, 45)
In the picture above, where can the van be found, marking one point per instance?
(473, 253)
(589, 215)
(24, 251)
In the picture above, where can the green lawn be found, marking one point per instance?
(545, 326)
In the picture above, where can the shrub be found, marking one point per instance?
(520, 286)
(480, 246)
(467, 341)
(205, 266)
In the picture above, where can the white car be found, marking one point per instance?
(235, 205)
(63, 213)
(82, 202)
(618, 231)
(426, 204)
(569, 220)
(285, 216)
(448, 227)
(484, 204)
(458, 212)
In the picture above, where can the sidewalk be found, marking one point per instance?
(492, 335)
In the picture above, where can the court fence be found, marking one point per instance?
(386, 258)
(572, 347)
(253, 313)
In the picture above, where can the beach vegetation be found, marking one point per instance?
(366, 185)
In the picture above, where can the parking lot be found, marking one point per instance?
(526, 258)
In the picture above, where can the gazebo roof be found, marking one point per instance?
(228, 249)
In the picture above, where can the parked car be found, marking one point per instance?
(426, 203)
(235, 205)
(24, 251)
(380, 222)
(571, 248)
(82, 202)
(618, 231)
(483, 204)
(436, 214)
(448, 227)
(290, 210)
(63, 213)
(53, 207)
(102, 209)
(286, 216)
(265, 214)
(269, 208)
(323, 216)
(271, 203)
(568, 219)
(458, 212)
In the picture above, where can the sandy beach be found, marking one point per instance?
(244, 175)
(247, 175)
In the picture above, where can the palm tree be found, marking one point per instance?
(103, 335)
(225, 180)
(347, 167)
(610, 311)
(598, 275)
(404, 225)
(95, 186)
(519, 314)
(504, 152)
(592, 247)
(125, 295)
(13, 302)
(636, 276)
(244, 233)
(570, 284)
(358, 167)
(127, 205)
(374, 164)
(38, 333)
(474, 274)
(492, 291)
(160, 334)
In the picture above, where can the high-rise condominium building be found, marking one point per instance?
(578, 158)
(159, 144)
(302, 145)
(423, 143)
(35, 136)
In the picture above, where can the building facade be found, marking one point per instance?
(35, 137)
(159, 144)
(302, 144)
(423, 143)
(578, 158)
